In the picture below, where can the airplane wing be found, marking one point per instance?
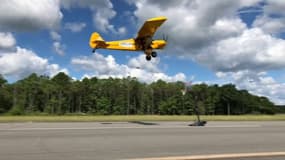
(150, 26)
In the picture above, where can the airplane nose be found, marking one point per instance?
(162, 44)
(158, 44)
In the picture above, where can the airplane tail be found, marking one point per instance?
(96, 41)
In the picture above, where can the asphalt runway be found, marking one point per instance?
(130, 140)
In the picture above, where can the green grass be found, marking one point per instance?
(113, 118)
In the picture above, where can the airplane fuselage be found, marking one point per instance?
(133, 45)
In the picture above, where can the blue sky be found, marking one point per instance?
(240, 42)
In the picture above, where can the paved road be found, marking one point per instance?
(123, 140)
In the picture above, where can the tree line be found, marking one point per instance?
(127, 96)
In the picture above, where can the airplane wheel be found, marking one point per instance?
(148, 57)
(153, 54)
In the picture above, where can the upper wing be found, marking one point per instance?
(150, 26)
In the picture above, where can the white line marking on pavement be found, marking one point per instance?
(234, 126)
(219, 156)
(132, 127)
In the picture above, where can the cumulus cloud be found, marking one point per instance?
(140, 62)
(272, 20)
(122, 31)
(29, 15)
(57, 46)
(102, 17)
(269, 24)
(214, 35)
(7, 40)
(104, 67)
(274, 7)
(75, 26)
(23, 62)
(103, 12)
(200, 23)
(99, 64)
(259, 83)
(83, 3)
(253, 50)
(55, 36)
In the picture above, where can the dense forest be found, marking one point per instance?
(62, 95)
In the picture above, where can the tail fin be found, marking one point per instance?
(96, 41)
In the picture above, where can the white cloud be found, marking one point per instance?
(274, 7)
(245, 59)
(24, 62)
(75, 26)
(29, 15)
(122, 31)
(55, 36)
(213, 34)
(200, 23)
(228, 27)
(7, 40)
(99, 64)
(253, 50)
(141, 62)
(104, 67)
(58, 48)
(17, 62)
(103, 13)
(101, 18)
(272, 20)
(259, 83)
(67, 4)
(53, 69)
(270, 25)
(221, 74)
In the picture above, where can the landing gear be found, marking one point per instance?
(150, 54)
(153, 54)
(94, 50)
(148, 57)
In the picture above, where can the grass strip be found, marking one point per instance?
(120, 118)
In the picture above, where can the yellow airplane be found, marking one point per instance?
(143, 41)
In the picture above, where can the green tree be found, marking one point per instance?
(169, 107)
(5, 96)
(3, 81)
(61, 95)
(62, 84)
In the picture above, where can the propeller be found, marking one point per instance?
(165, 37)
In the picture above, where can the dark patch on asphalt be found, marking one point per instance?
(106, 123)
(143, 123)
